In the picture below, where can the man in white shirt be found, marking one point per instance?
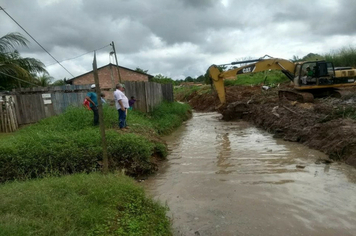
(121, 103)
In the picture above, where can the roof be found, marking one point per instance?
(110, 64)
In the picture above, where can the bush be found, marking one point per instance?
(69, 143)
(80, 204)
(169, 116)
(131, 152)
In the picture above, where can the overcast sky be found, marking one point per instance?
(177, 38)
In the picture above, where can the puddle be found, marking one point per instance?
(230, 178)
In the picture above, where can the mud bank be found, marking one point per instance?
(325, 125)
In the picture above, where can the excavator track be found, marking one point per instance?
(302, 97)
(341, 93)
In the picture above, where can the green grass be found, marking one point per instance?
(343, 57)
(185, 93)
(271, 79)
(83, 204)
(68, 143)
(169, 117)
(4, 135)
(80, 204)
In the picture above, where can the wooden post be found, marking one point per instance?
(2, 116)
(101, 118)
(117, 64)
(112, 78)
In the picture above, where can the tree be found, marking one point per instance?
(296, 59)
(312, 57)
(162, 79)
(138, 69)
(200, 78)
(14, 68)
(222, 68)
(59, 82)
(189, 79)
(207, 78)
(43, 80)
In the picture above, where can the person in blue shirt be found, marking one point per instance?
(93, 99)
(102, 97)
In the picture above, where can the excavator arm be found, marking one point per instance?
(258, 65)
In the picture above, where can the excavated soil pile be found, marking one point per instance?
(323, 125)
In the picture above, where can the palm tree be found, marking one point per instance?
(43, 80)
(59, 82)
(12, 66)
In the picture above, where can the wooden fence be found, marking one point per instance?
(148, 94)
(34, 104)
(8, 117)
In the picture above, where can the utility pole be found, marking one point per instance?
(112, 78)
(117, 64)
(101, 118)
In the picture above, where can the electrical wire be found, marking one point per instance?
(36, 41)
(79, 55)
(18, 78)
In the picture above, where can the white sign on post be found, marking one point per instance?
(46, 95)
(47, 98)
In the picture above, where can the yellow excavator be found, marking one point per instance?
(311, 79)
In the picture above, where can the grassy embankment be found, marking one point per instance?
(270, 78)
(80, 204)
(83, 204)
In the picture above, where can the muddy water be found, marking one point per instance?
(229, 178)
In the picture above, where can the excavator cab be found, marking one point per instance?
(314, 73)
(322, 74)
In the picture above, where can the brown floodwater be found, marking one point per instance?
(230, 178)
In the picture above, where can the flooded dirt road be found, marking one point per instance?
(230, 178)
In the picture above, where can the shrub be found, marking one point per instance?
(80, 204)
(68, 143)
(169, 116)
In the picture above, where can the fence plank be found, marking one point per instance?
(8, 121)
(29, 105)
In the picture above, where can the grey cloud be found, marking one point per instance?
(217, 33)
(325, 20)
(199, 3)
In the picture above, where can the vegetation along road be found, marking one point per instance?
(51, 182)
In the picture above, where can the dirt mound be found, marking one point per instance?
(204, 102)
(322, 125)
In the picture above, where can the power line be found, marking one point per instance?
(18, 78)
(80, 55)
(36, 41)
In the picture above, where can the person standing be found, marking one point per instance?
(132, 102)
(102, 97)
(122, 104)
(93, 99)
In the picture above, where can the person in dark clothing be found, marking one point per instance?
(93, 99)
(132, 102)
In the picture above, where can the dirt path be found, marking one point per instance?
(323, 125)
(230, 178)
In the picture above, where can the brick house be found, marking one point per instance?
(109, 77)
